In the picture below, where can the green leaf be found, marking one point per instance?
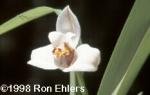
(26, 17)
(128, 44)
(136, 64)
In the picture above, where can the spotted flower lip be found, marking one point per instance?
(64, 52)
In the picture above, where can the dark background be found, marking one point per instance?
(101, 22)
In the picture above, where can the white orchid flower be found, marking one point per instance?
(63, 52)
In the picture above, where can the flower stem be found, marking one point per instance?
(81, 82)
(72, 81)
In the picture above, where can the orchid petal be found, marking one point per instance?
(88, 59)
(69, 39)
(42, 58)
(68, 22)
(56, 38)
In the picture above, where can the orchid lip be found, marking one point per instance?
(64, 56)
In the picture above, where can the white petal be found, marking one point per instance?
(56, 38)
(42, 58)
(69, 38)
(88, 59)
(68, 22)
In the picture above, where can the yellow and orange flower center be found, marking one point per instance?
(58, 52)
(64, 56)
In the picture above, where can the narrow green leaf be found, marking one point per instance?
(26, 17)
(126, 47)
(136, 64)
